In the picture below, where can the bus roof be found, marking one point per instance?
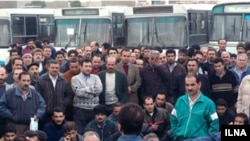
(198, 6)
(27, 11)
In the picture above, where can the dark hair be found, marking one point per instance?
(198, 52)
(233, 55)
(9, 128)
(112, 48)
(100, 109)
(14, 60)
(46, 40)
(171, 51)
(86, 60)
(158, 49)
(190, 52)
(20, 138)
(160, 93)
(240, 44)
(135, 49)
(221, 102)
(97, 55)
(106, 45)
(183, 50)
(59, 52)
(58, 110)
(125, 50)
(52, 61)
(196, 47)
(221, 39)
(72, 51)
(147, 97)
(38, 44)
(189, 75)
(117, 104)
(41, 135)
(218, 60)
(131, 118)
(30, 133)
(244, 116)
(192, 59)
(29, 40)
(13, 51)
(74, 60)
(23, 73)
(68, 126)
(211, 49)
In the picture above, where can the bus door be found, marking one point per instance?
(46, 26)
(118, 31)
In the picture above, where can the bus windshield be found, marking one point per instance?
(227, 26)
(78, 32)
(5, 33)
(157, 31)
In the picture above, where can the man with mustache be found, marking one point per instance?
(194, 115)
(33, 70)
(103, 126)
(18, 105)
(3, 87)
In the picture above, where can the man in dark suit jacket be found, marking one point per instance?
(192, 67)
(115, 85)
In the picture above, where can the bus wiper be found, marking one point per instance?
(234, 27)
(146, 36)
(85, 32)
(158, 39)
(246, 29)
(67, 45)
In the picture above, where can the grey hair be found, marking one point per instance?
(149, 136)
(242, 55)
(154, 52)
(90, 133)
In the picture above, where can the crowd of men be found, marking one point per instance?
(79, 94)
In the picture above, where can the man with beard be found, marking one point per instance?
(208, 67)
(103, 126)
(184, 120)
(87, 88)
(3, 88)
(33, 70)
(54, 128)
(18, 105)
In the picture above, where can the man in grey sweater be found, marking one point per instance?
(87, 88)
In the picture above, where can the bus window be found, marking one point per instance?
(5, 33)
(246, 28)
(31, 26)
(46, 28)
(90, 30)
(169, 31)
(227, 26)
(18, 25)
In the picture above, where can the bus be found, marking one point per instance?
(19, 25)
(76, 27)
(167, 26)
(230, 21)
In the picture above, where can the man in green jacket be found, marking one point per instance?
(194, 114)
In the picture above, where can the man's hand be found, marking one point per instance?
(35, 118)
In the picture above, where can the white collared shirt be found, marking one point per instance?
(192, 102)
(53, 80)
